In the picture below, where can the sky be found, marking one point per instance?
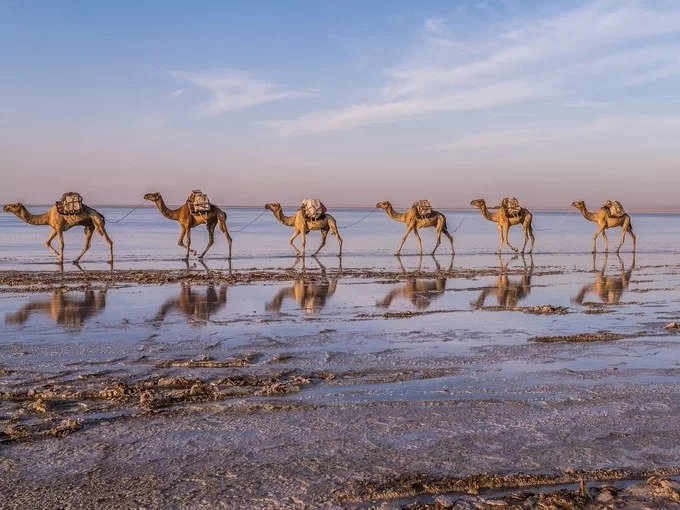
(350, 101)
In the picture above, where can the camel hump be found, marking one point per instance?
(614, 208)
(423, 208)
(511, 205)
(313, 208)
(198, 202)
(70, 203)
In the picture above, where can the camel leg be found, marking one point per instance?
(223, 228)
(530, 230)
(60, 239)
(403, 239)
(99, 225)
(630, 231)
(88, 242)
(600, 231)
(182, 234)
(211, 239)
(334, 230)
(420, 242)
(324, 234)
(292, 238)
(187, 240)
(48, 242)
(446, 233)
(606, 241)
(438, 241)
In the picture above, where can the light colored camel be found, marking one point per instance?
(59, 223)
(504, 222)
(413, 223)
(605, 221)
(302, 227)
(508, 292)
(215, 216)
(608, 288)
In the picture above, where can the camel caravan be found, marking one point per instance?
(70, 211)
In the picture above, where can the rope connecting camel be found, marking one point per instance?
(413, 223)
(302, 226)
(212, 218)
(59, 223)
(604, 221)
(505, 221)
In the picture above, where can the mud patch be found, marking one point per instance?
(582, 337)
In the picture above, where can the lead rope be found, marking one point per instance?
(244, 227)
(359, 221)
(557, 224)
(128, 214)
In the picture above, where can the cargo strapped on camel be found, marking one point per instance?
(423, 208)
(198, 202)
(613, 208)
(511, 206)
(70, 203)
(313, 209)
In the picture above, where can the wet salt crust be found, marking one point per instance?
(371, 381)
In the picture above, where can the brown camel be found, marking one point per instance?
(65, 309)
(197, 307)
(302, 226)
(420, 291)
(59, 223)
(608, 288)
(504, 222)
(508, 292)
(605, 221)
(413, 223)
(215, 216)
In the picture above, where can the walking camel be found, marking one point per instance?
(215, 216)
(413, 223)
(302, 226)
(605, 221)
(504, 222)
(59, 223)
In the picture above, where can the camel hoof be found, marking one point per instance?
(75, 262)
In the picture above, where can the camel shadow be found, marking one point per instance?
(508, 291)
(195, 305)
(309, 292)
(67, 309)
(419, 291)
(608, 288)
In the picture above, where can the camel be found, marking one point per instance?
(302, 226)
(413, 223)
(420, 291)
(605, 221)
(504, 222)
(59, 223)
(215, 216)
(608, 288)
(65, 309)
(508, 292)
(197, 307)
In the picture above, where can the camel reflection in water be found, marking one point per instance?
(67, 308)
(608, 288)
(197, 305)
(420, 291)
(508, 291)
(310, 295)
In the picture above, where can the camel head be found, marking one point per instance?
(13, 208)
(479, 202)
(273, 206)
(579, 204)
(383, 205)
(154, 197)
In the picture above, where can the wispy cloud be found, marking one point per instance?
(177, 93)
(233, 89)
(570, 54)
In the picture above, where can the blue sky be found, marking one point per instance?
(351, 101)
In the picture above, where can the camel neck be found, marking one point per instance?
(172, 214)
(586, 214)
(395, 215)
(485, 212)
(33, 219)
(282, 218)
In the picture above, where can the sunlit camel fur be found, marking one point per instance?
(604, 221)
(413, 223)
(504, 222)
(59, 223)
(301, 227)
(195, 305)
(67, 309)
(419, 291)
(310, 293)
(212, 218)
(608, 288)
(508, 291)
